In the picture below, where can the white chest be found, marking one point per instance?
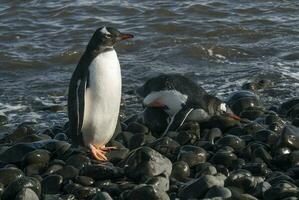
(102, 99)
(173, 99)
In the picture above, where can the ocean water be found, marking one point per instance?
(220, 44)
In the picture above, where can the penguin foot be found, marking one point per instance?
(99, 152)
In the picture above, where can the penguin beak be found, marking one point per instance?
(124, 36)
(233, 116)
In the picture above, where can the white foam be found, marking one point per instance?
(7, 107)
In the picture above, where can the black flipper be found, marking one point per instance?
(178, 119)
(76, 101)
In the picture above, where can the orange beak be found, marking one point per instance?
(126, 36)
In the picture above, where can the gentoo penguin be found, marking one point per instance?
(181, 98)
(95, 92)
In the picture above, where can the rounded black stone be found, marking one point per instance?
(78, 161)
(156, 120)
(79, 191)
(218, 191)
(24, 182)
(180, 170)
(26, 194)
(101, 171)
(147, 192)
(136, 127)
(231, 140)
(8, 175)
(240, 100)
(84, 180)
(61, 137)
(52, 184)
(192, 155)
(166, 146)
(68, 172)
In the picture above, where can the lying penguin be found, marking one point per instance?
(181, 99)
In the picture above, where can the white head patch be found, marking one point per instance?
(105, 31)
(223, 107)
(171, 98)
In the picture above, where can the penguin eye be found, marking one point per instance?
(107, 36)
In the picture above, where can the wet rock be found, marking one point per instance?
(180, 171)
(261, 153)
(197, 188)
(280, 191)
(218, 191)
(1, 189)
(80, 192)
(26, 194)
(231, 140)
(224, 123)
(166, 146)
(252, 128)
(263, 135)
(240, 100)
(211, 135)
(39, 156)
(147, 192)
(124, 137)
(52, 184)
(136, 127)
(84, 180)
(68, 172)
(14, 153)
(222, 170)
(289, 137)
(257, 169)
(101, 171)
(278, 177)
(53, 168)
(237, 164)
(156, 120)
(242, 179)
(223, 157)
(140, 139)
(22, 183)
(294, 158)
(61, 137)
(287, 107)
(261, 188)
(9, 175)
(108, 186)
(192, 155)
(160, 182)
(146, 162)
(207, 169)
(295, 122)
(117, 155)
(30, 138)
(78, 161)
(252, 113)
(20, 132)
(102, 196)
(257, 85)
(34, 169)
(187, 137)
(3, 119)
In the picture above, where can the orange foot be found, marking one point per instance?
(99, 152)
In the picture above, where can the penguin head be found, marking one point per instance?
(222, 109)
(106, 37)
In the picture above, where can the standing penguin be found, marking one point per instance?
(181, 98)
(95, 92)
